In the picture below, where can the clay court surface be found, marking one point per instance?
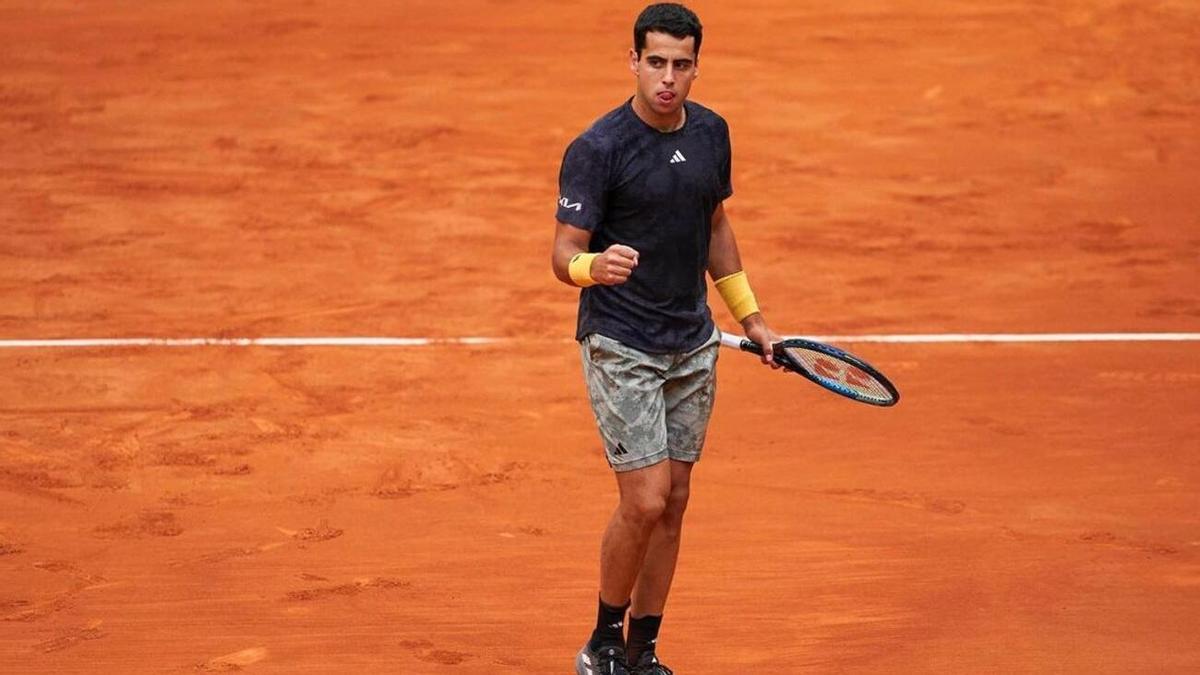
(250, 169)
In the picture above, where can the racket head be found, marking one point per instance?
(836, 370)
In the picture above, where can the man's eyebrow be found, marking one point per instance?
(660, 57)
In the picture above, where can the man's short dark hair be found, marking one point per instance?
(666, 17)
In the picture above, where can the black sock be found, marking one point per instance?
(643, 633)
(610, 624)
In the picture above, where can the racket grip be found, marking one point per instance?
(739, 342)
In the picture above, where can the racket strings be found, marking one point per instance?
(839, 374)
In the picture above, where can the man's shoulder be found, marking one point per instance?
(609, 131)
(706, 117)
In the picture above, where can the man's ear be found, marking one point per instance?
(633, 61)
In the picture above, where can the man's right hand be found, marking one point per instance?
(614, 266)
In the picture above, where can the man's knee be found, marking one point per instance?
(675, 506)
(648, 509)
(644, 509)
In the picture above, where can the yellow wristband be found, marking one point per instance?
(735, 291)
(580, 269)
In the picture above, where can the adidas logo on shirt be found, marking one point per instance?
(678, 157)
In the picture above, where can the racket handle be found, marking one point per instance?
(739, 342)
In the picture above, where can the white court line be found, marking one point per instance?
(253, 342)
(949, 338)
(936, 338)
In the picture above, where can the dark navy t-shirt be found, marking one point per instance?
(628, 183)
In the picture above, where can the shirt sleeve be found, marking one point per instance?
(582, 185)
(726, 172)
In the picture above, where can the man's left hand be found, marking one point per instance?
(757, 330)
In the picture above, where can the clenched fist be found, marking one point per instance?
(614, 266)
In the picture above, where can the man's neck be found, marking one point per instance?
(662, 124)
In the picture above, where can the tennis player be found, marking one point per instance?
(640, 221)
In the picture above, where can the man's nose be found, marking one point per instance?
(669, 75)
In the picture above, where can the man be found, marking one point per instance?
(640, 221)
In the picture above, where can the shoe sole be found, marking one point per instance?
(581, 664)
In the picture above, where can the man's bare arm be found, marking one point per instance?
(724, 260)
(612, 267)
(723, 257)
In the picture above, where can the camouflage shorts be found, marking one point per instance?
(649, 407)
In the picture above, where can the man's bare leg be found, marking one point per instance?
(662, 551)
(644, 495)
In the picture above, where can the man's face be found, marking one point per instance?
(664, 72)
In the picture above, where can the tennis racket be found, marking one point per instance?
(836, 370)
